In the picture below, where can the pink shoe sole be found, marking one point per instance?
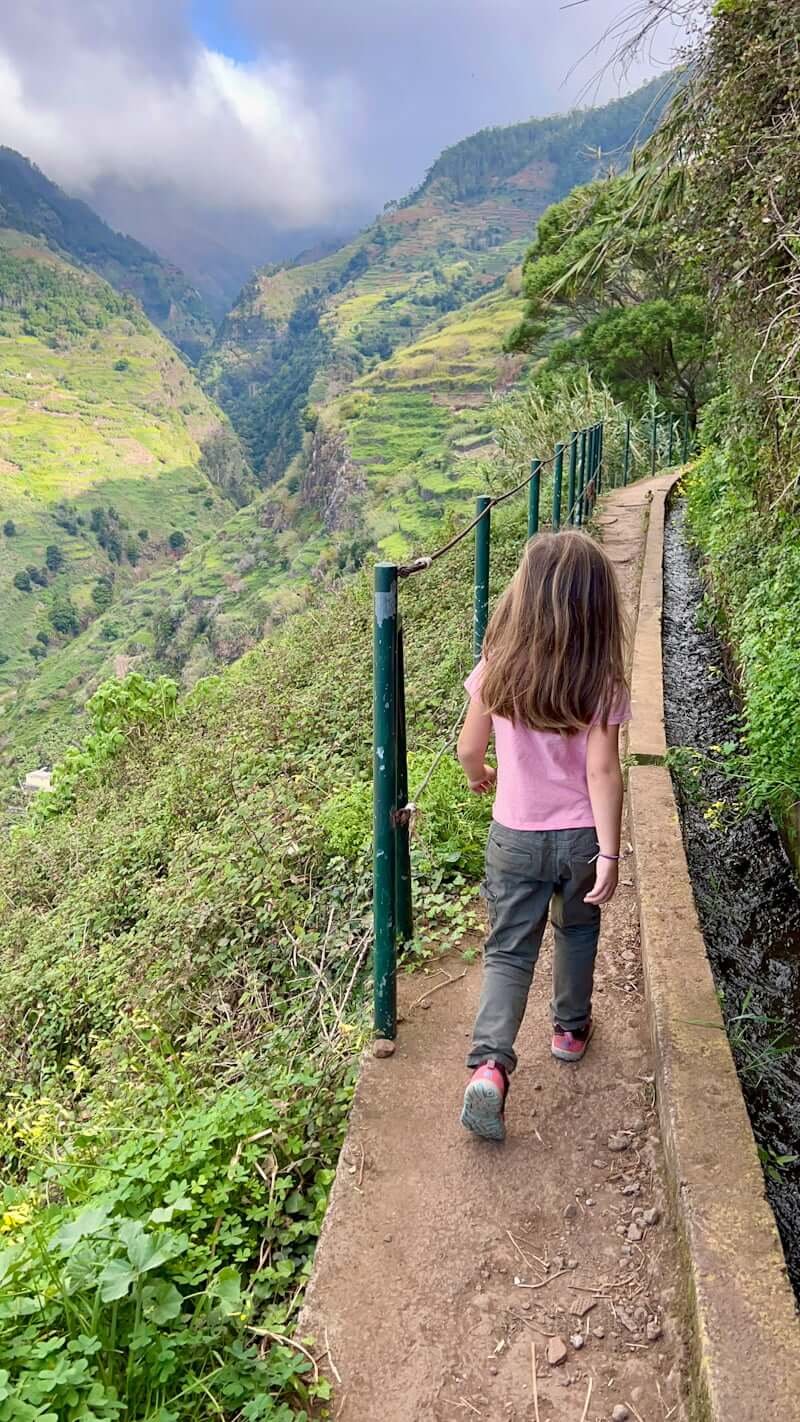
(482, 1113)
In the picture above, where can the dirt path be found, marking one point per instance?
(419, 1289)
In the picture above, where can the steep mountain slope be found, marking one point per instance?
(101, 427)
(418, 425)
(299, 334)
(30, 203)
(363, 381)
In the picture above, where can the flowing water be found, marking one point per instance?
(747, 896)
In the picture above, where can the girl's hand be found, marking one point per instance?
(485, 782)
(606, 880)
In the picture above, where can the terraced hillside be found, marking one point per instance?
(363, 383)
(30, 203)
(300, 334)
(417, 425)
(101, 427)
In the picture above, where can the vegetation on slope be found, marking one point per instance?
(184, 929)
(724, 175)
(454, 239)
(634, 304)
(111, 464)
(30, 203)
(571, 143)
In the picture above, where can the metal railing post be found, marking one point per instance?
(590, 474)
(404, 913)
(384, 772)
(671, 448)
(534, 489)
(653, 443)
(481, 607)
(685, 434)
(601, 435)
(626, 460)
(558, 479)
(573, 462)
(581, 476)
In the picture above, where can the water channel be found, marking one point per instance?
(746, 892)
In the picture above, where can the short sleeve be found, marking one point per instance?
(472, 685)
(621, 710)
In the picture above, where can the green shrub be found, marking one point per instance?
(752, 557)
(54, 558)
(9, 528)
(103, 594)
(64, 617)
(22, 581)
(177, 540)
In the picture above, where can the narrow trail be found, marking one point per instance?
(418, 1291)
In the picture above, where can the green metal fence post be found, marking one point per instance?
(626, 461)
(685, 434)
(481, 610)
(404, 913)
(581, 475)
(558, 479)
(573, 464)
(671, 449)
(601, 436)
(591, 474)
(534, 489)
(384, 771)
(653, 443)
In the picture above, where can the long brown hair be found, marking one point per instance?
(555, 646)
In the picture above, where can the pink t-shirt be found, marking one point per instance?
(541, 775)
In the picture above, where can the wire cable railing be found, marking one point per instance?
(582, 458)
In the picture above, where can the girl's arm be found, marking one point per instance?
(472, 746)
(604, 777)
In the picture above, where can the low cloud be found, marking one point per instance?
(340, 105)
(230, 135)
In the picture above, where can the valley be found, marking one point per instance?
(361, 390)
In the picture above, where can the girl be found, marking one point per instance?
(551, 687)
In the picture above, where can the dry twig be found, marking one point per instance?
(519, 1284)
(450, 979)
(534, 1382)
(585, 1412)
(329, 1356)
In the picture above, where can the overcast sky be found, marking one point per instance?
(302, 112)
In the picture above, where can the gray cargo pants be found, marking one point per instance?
(526, 870)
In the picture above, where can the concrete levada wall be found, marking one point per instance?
(740, 1304)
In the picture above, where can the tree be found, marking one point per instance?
(628, 294)
(37, 575)
(103, 594)
(177, 540)
(22, 581)
(64, 617)
(54, 558)
(132, 551)
(9, 528)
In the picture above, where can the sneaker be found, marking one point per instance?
(485, 1102)
(570, 1046)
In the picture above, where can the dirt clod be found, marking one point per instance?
(635, 1232)
(556, 1352)
(652, 1217)
(382, 1047)
(653, 1331)
(620, 1413)
(618, 1141)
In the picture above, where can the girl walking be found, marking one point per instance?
(551, 689)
